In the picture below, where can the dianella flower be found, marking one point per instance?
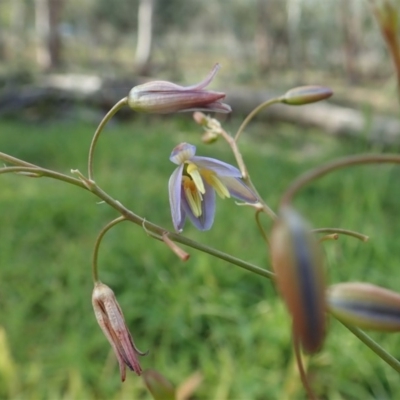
(193, 185)
(300, 276)
(162, 97)
(111, 320)
(365, 305)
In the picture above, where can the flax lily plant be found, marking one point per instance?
(295, 249)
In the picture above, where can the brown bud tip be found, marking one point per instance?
(158, 385)
(306, 94)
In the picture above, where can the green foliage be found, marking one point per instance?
(203, 314)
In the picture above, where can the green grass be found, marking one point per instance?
(204, 314)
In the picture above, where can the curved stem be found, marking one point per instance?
(255, 112)
(375, 347)
(344, 162)
(340, 231)
(300, 365)
(243, 170)
(260, 227)
(129, 215)
(95, 272)
(96, 135)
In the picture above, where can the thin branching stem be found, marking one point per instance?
(335, 165)
(129, 215)
(95, 269)
(254, 113)
(300, 366)
(375, 347)
(341, 231)
(99, 129)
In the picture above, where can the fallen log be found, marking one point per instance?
(102, 93)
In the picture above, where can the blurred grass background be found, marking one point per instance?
(202, 315)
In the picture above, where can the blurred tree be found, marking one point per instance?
(144, 36)
(49, 44)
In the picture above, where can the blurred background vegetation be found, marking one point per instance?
(203, 315)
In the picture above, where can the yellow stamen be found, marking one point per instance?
(193, 171)
(213, 180)
(193, 196)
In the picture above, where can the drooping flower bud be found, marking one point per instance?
(306, 94)
(365, 305)
(162, 97)
(298, 264)
(158, 385)
(111, 320)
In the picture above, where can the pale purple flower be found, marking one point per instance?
(162, 97)
(192, 187)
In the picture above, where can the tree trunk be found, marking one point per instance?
(48, 39)
(144, 36)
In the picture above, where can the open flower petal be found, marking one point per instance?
(182, 153)
(206, 219)
(238, 189)
(175, 188)
(219, 167)
(194, 184)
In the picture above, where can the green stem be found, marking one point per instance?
(39, 172)
(375, 347)
(254, 113)
(95, 272)
(96, 135)
(344, 162)
(129, 215)
(15, 161)
(300, 366)
(245, 174)
(341, 231)
(179, 238)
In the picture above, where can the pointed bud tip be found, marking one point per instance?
(306, 95)
(365, 305)
(158, 385)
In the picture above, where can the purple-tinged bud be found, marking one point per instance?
(159, 387)
(162, 97)
(298, 264)
(200, 118)
(365, 305)
(306, 94)
(111, 320)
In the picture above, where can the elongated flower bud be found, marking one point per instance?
(111, 320)
(298, 264)
(162, 97)
(365, 305)
(306, 94)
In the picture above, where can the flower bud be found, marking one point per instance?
(365, 305)
(111, 320)
(306, 94)
(162, 97)
(200, 118)
(300, 276)
(209, 137)
(158, 385)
